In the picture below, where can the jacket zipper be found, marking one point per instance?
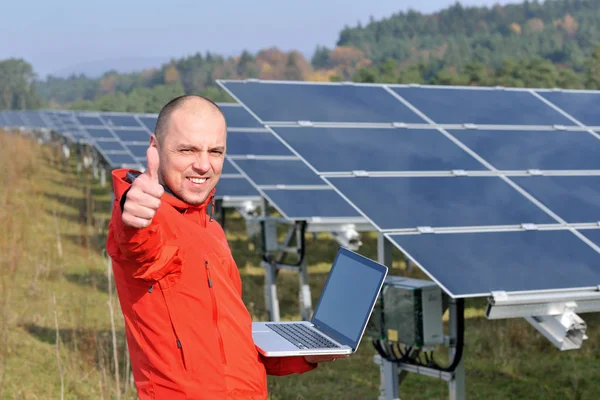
(215, 312)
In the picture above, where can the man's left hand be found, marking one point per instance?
(325, 358)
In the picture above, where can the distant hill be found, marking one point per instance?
(562, 31)
(95, 69)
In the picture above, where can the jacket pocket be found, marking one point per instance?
(179, 345)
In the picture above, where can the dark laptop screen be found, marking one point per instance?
(348, 297)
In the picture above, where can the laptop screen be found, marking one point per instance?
(347, 300)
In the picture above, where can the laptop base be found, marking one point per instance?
(271, 344)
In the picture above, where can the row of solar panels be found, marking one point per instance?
(122, 138)
(364, 153)
(486, 189)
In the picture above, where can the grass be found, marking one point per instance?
(55, 328)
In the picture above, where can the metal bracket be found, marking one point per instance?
(470, 126)
(305, 123)
(360, 173)
(399, 124)
(425, 229)
(535, 172)
(565, 331)
(552, 314)
(529, 227)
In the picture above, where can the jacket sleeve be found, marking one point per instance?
(280, 366)
(147, 248)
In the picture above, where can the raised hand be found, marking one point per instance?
(143, 199)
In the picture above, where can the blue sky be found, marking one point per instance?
(69, 34)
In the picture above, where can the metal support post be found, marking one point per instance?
(304, 293)
(384, 251)
(456, 386)
(271, 300)
(390, 385)
(103, 177)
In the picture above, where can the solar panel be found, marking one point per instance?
(120, 159)
(583, 106)
(228, 168)
(481, 106)
(120, 120)
(138, 150)
(33, 119)
(110, 145)
(306, 204)
(99, 133)
(89, 121)
(377, 149)
(68, 127)
(492, 198)
(412, 202)
(235, 186)
(526, 149)
(573, 198)
(13, 119)
(133, 135)
(148, 121)
(270, 172)
(123, 142)
(243, 143)
(317, 102)
(238, 117)
(475, 264)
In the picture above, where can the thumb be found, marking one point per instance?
(153, 163)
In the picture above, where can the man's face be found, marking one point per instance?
(192, 153)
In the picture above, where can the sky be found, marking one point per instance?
(63, 36)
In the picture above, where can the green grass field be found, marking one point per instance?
(56, 336)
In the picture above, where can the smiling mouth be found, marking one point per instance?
(197, 180)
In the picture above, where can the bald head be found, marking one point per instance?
(190, 104)
(191, 140)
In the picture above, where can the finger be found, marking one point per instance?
(153, 162)
(139, 211)
(145, 193)
(154, 189)
(136, 222)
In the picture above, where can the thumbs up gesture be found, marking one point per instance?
(143, 199)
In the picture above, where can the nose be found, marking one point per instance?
(201, 163)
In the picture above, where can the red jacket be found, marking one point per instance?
(188, 330)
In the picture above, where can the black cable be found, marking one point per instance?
(460, 337)
(430, 360)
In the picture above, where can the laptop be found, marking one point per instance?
(341, 315)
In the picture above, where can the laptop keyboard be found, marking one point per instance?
(302, 336)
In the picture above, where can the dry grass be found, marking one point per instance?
(52, 231)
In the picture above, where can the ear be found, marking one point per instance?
(154, 141)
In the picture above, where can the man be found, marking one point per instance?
(188, 330)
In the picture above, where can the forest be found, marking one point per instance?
(551, 44)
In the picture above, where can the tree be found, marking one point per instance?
(592, 70)
(321, 57)
(17, 90)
